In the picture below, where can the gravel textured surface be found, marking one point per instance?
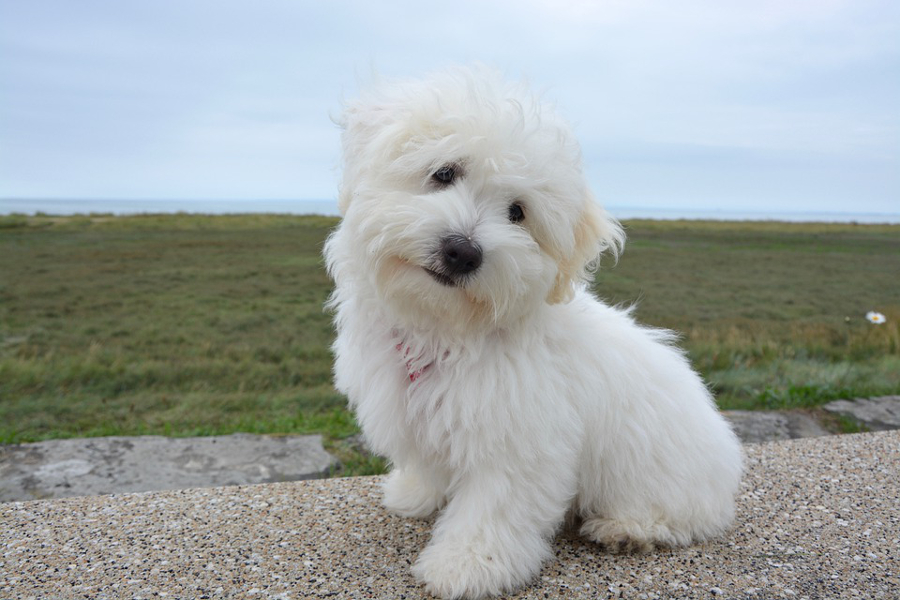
(817, 518)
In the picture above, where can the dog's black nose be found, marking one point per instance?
(460, 255)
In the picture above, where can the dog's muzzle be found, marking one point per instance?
(456, 258)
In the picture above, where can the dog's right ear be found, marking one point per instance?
(364, 124)
(354, 122)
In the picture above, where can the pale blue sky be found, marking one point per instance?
(745, 105)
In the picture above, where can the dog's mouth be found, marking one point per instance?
(441, 278)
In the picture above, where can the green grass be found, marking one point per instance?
(772, 314)
(178, 325)
(196, 325)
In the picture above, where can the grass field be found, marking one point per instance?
(196, 325)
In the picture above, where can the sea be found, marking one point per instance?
(32, 206)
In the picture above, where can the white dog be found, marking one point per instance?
(477, 360)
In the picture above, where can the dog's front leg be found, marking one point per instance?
(414, 490)
(496, 530)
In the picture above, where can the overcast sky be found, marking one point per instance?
(745, 105)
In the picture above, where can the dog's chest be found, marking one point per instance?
(460, 401)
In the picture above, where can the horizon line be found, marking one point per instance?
(328, 207)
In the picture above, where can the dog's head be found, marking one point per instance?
(464, 201)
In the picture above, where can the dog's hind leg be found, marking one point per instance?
(630, 535)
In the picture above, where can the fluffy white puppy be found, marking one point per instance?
(478, 362)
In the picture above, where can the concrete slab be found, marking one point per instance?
(81, 467)
(877, 414)
(816, 518)
(765, 426)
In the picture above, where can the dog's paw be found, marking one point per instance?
(409, 495)
(622, 536)
(458, 570)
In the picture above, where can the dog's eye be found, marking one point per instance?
(444, 175)
(516, 213)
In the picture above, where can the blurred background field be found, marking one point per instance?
(199, 325)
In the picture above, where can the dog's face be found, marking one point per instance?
(464, 201)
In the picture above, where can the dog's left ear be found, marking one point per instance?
(596, 231)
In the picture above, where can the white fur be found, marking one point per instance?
(515, 397)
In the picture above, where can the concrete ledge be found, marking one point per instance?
(106, 465)
(817, 518)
